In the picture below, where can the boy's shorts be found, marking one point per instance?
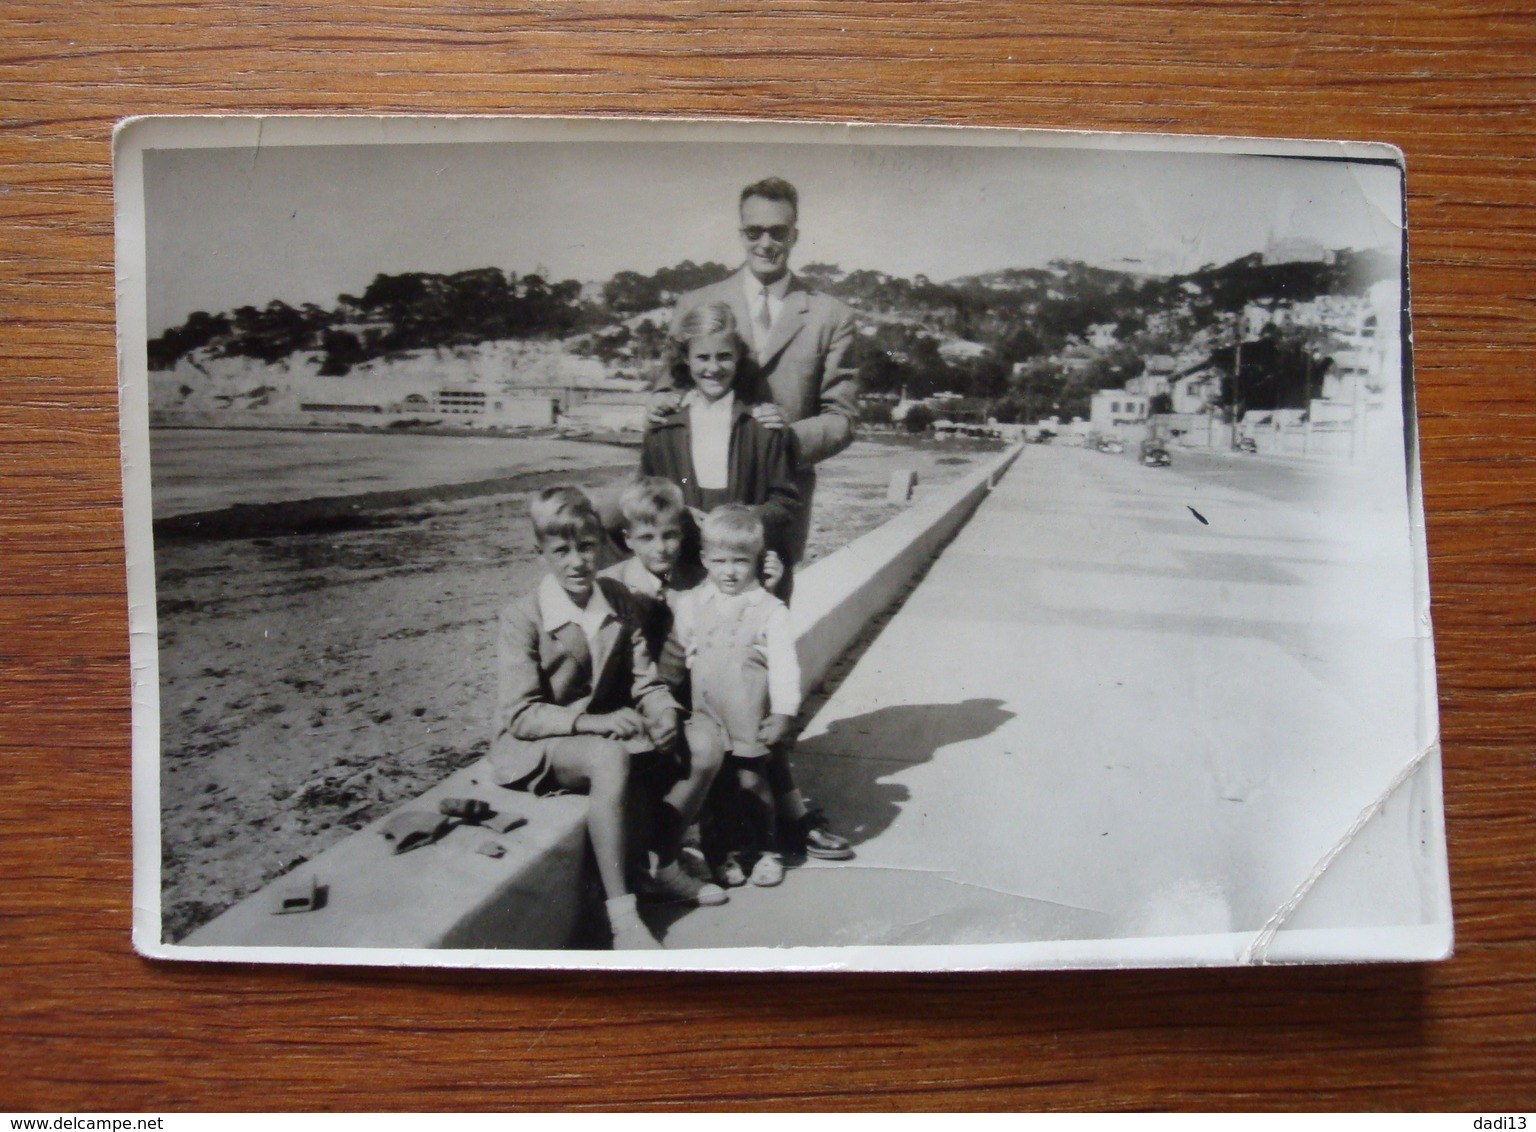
(529, 764)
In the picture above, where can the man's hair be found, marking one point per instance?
(562, 512)
(734, 526)
(772, 188)
(651, 500)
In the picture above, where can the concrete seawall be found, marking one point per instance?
(452, 894)
(839, 595)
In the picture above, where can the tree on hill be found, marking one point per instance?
(343, 350)
(629, 292)
(989, 378)
(918, 419)
(1274, 372)
(879, 372)
(200, 330)
(425, 311)
(1044, 388)
(821, 276)
(1019, 342)
(1233, 286)
(271, 333)
(689, 276)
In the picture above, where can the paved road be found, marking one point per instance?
(1124, 702)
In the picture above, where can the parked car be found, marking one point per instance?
(1248, 444)
(1111, 444)
(1153, 454)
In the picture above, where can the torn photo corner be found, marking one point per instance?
(1095, 631)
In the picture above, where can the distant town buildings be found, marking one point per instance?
(1356, 362)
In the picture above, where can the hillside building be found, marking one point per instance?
(1196, 389)
(1112, 409)
(1103, 335)
(1156, 376)
(1296, 249)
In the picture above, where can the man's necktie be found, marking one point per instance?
(762, 322)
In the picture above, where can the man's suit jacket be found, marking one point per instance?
(807, 366)
(546, 679)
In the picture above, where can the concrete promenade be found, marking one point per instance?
(1124, 702)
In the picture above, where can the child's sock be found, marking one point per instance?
(619, 906)
(629, 930)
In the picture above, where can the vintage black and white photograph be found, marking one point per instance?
(760, 545)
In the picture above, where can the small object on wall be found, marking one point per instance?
(306, 894)
(412, 829)
(902, 484)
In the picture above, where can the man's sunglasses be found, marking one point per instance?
(778, 233)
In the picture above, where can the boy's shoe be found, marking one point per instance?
(672, 885)
(691, 854)
(815, 836)
(732, 873)
(768, 871)
(692, 860)
(629, 930)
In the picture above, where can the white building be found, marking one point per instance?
(1111, 409)
(1193, 391)
(1297, 249)
(1351, 377)
(1102, 335)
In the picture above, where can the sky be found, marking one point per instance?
(226, 227)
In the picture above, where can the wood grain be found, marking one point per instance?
(89, 1026)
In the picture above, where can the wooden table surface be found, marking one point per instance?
(89, 1026)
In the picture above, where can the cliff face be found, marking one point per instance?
(200, 383)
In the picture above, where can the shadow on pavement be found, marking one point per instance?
(842, 768)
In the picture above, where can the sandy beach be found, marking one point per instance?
(310, 681)
(205, 469)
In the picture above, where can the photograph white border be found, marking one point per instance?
(134, 136)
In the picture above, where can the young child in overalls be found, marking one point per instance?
(745, 676)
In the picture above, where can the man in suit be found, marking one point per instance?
(802, 340)
(802, 346)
